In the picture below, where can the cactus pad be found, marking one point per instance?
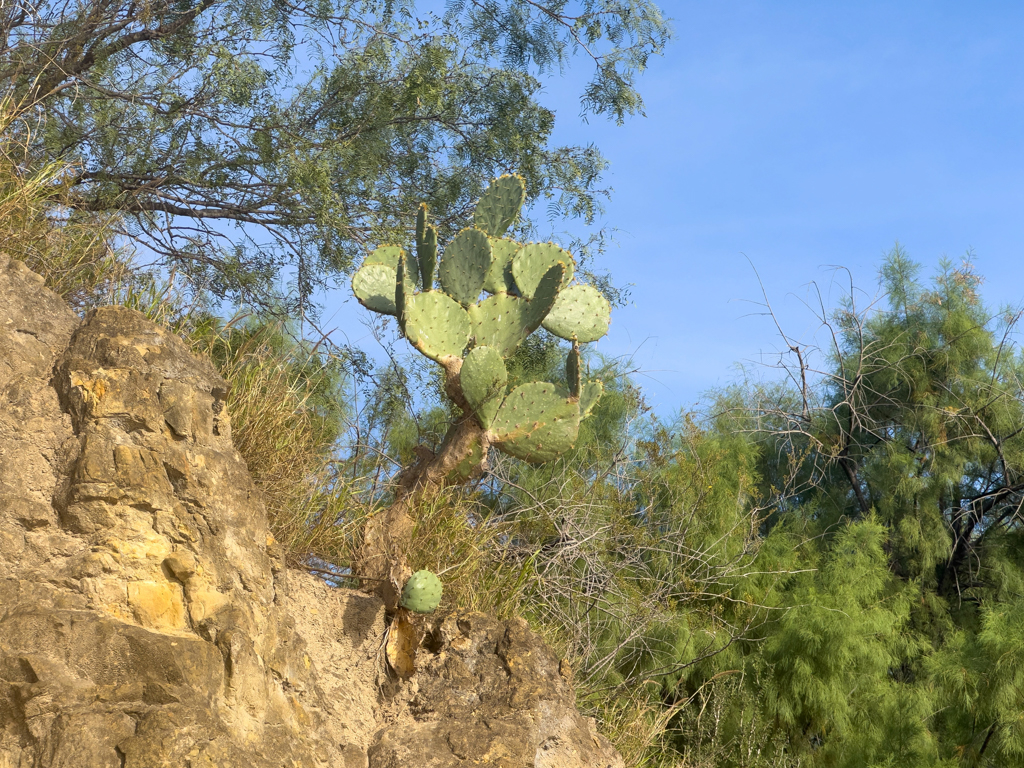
(427, 253)
(589, 395)
(436, 325)
(580, 313)
(572, 370)
(499, 205)
(502, 321)
(537, 422)
(421, 224)
(471, 466)
(403, 289)
(422, 592)
(499, 277)
(386, 255)
(389, 256)
(426, 248)
(533, 260)
(483, 378)
(374, 286)
(464, 265)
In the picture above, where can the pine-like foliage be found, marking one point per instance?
(896, 472)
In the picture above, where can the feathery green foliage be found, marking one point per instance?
(245, 141)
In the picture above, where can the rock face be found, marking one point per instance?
(145, 619)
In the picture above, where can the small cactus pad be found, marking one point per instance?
(580, 313)
(572, 370)
(427, 253)
(589, 396)
(464, 265)
(499, 277)
(436, 325)
(500, 204)
(421, 224)
(374, 286)
(533, 260)
(483, 379)
(537, 422)
(422, 592)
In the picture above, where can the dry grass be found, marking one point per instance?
(285, 413)
(72, 251)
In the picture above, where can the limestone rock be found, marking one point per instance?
(145, 620)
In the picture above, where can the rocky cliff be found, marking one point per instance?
(145, 619)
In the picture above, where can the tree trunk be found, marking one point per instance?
(383, 557)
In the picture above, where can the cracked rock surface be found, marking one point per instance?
(146, 619)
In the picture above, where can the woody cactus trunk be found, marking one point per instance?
(487, 295)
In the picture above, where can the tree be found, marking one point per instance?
(244, 138)
(920, 417)
(900, 462)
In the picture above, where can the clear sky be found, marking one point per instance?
(800, 135)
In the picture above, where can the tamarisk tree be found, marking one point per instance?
(468, 313)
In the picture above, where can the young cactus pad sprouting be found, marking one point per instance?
(472, 334)
(422, 592)
(426, 248)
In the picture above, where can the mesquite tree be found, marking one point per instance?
(469, 313)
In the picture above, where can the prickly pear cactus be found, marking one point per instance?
(493, 293)
(422, 592)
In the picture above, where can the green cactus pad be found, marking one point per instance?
(537, 422)
(533, 260)
(483, 379)
(427, 253)
(580, 313)
(422, 592)
(545, 296)
(464, 265)
(404, 288)
(499, 322)
(436, 325)
(500, 204)
(589, 396)
(503, 321)
(386, 255)
(572, 370)
(421, 225)
(499, 277)
(374, 286)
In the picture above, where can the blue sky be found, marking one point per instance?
(799, 135)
